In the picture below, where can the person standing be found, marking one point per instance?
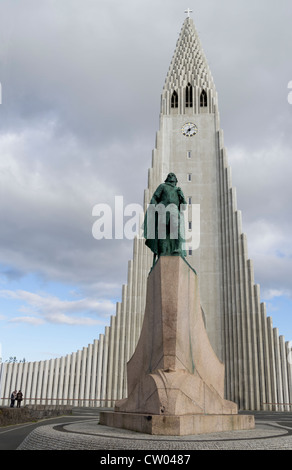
(13, 398)
(19, 398)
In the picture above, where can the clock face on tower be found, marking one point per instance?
(189, 129)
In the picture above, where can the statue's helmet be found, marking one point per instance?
(171, 177)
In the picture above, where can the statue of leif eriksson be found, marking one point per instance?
(164, 220)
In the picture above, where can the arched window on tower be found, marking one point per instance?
(189, 96)
(203, 99)
(174, 100)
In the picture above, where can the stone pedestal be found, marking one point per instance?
(175, 380)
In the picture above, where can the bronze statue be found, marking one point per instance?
(164, 221)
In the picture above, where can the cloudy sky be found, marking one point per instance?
(81, 83)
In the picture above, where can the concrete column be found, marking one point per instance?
(94, 374)
(7, 382)
(19, 375)
(120, 349)
(29, 381)
(139, 287)
(60, 393)
(234, 292)
(3, 377)
(244, 402)
(283, 359)
(50, 381)
(77, 380)
(225, 326)
(72, 379)
(231, 294)
(104, 367)
(134, 294)
(116, 362)
(88, 376)
(39, 383)
(122, 344)
(241, 333)
(246, 309)
(24, 380)
(14, 384)
(267, 363)
(110, 365)
(271, 351)
(260, 345)
(99, 369)
(141, 307)
(254, 335)
(56, 380)
(82, 376)
(288, 348)
(35, 376)
(67, 373)
(278, 369)
(44, 390)
(3, 384)
(129, 346)
(224, 235)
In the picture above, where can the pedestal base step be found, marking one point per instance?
(177, 425)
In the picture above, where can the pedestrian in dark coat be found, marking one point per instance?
(19, 398)
(13, 398)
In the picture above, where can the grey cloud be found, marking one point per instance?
(81, 85)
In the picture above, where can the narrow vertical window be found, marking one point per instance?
(189, 154)
(174, 100)
(189, 176)
(190, 200)
(189, 96)
(203, 99)
(190, 225)
(190, 251)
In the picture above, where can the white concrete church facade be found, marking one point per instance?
(258, 373)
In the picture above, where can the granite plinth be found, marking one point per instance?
(183, 425)
(175, 380)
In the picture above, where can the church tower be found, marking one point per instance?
(188, 145)
(258, 362)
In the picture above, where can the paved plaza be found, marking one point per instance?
(273, 431)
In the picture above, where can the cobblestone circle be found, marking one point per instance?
(89, 435)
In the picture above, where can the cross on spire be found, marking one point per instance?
(188, 11)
